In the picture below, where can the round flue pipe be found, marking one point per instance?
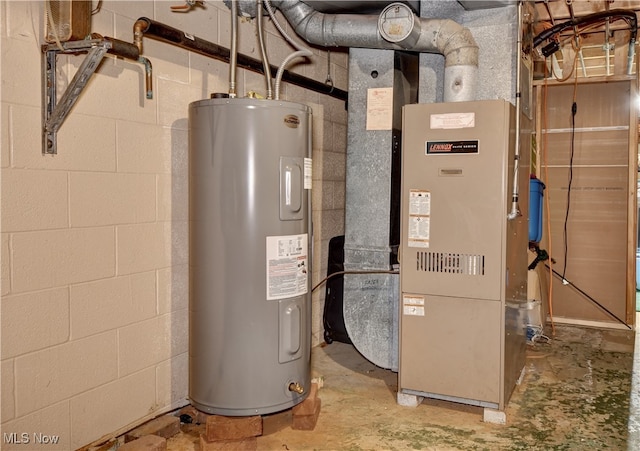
(443, 36)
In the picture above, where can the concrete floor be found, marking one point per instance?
(575, 395)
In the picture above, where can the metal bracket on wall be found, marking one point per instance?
(54, 113)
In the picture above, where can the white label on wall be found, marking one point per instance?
(379, 108)
(453, 120)
(419, 218)
(287, 266)
(413, 305)
(308, 173)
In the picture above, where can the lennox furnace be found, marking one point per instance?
(463, 271)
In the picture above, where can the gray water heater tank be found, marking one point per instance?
(250, 255)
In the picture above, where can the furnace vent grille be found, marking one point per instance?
(445, 262)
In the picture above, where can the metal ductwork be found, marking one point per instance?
(357, 6)
(425, 59)
(443, 36)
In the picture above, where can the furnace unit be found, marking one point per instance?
(463, 263)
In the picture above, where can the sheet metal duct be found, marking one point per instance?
(450, 65)
(485, 4)
(355, 6)
(370, 303)
(443, 36)
(248, 7)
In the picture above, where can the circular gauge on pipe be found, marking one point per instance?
(398, 24)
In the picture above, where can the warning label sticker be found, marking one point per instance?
(379, 109)
(287, 266)
(419, 218)
(453, 120)
(308, 171)
(413, 305)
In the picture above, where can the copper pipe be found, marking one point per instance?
(148, 78)
(164, 33)
(139, 28)
(132, 52)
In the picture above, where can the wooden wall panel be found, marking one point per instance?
(598, 254)
(601, 148)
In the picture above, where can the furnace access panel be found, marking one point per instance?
(462, 262)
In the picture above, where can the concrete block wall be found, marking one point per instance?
(94, 253)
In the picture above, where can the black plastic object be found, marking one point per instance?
(550, 48)
(186, 419)
(333, 317)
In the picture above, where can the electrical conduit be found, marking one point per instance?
(300, 50)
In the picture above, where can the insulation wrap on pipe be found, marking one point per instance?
(123, 49)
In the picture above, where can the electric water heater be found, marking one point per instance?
(250, 255)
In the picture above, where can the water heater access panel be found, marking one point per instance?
(463, 263)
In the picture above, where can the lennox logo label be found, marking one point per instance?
(440, 147)
(291, 121)
(449, 147)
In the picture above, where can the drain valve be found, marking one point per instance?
(296, 387)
